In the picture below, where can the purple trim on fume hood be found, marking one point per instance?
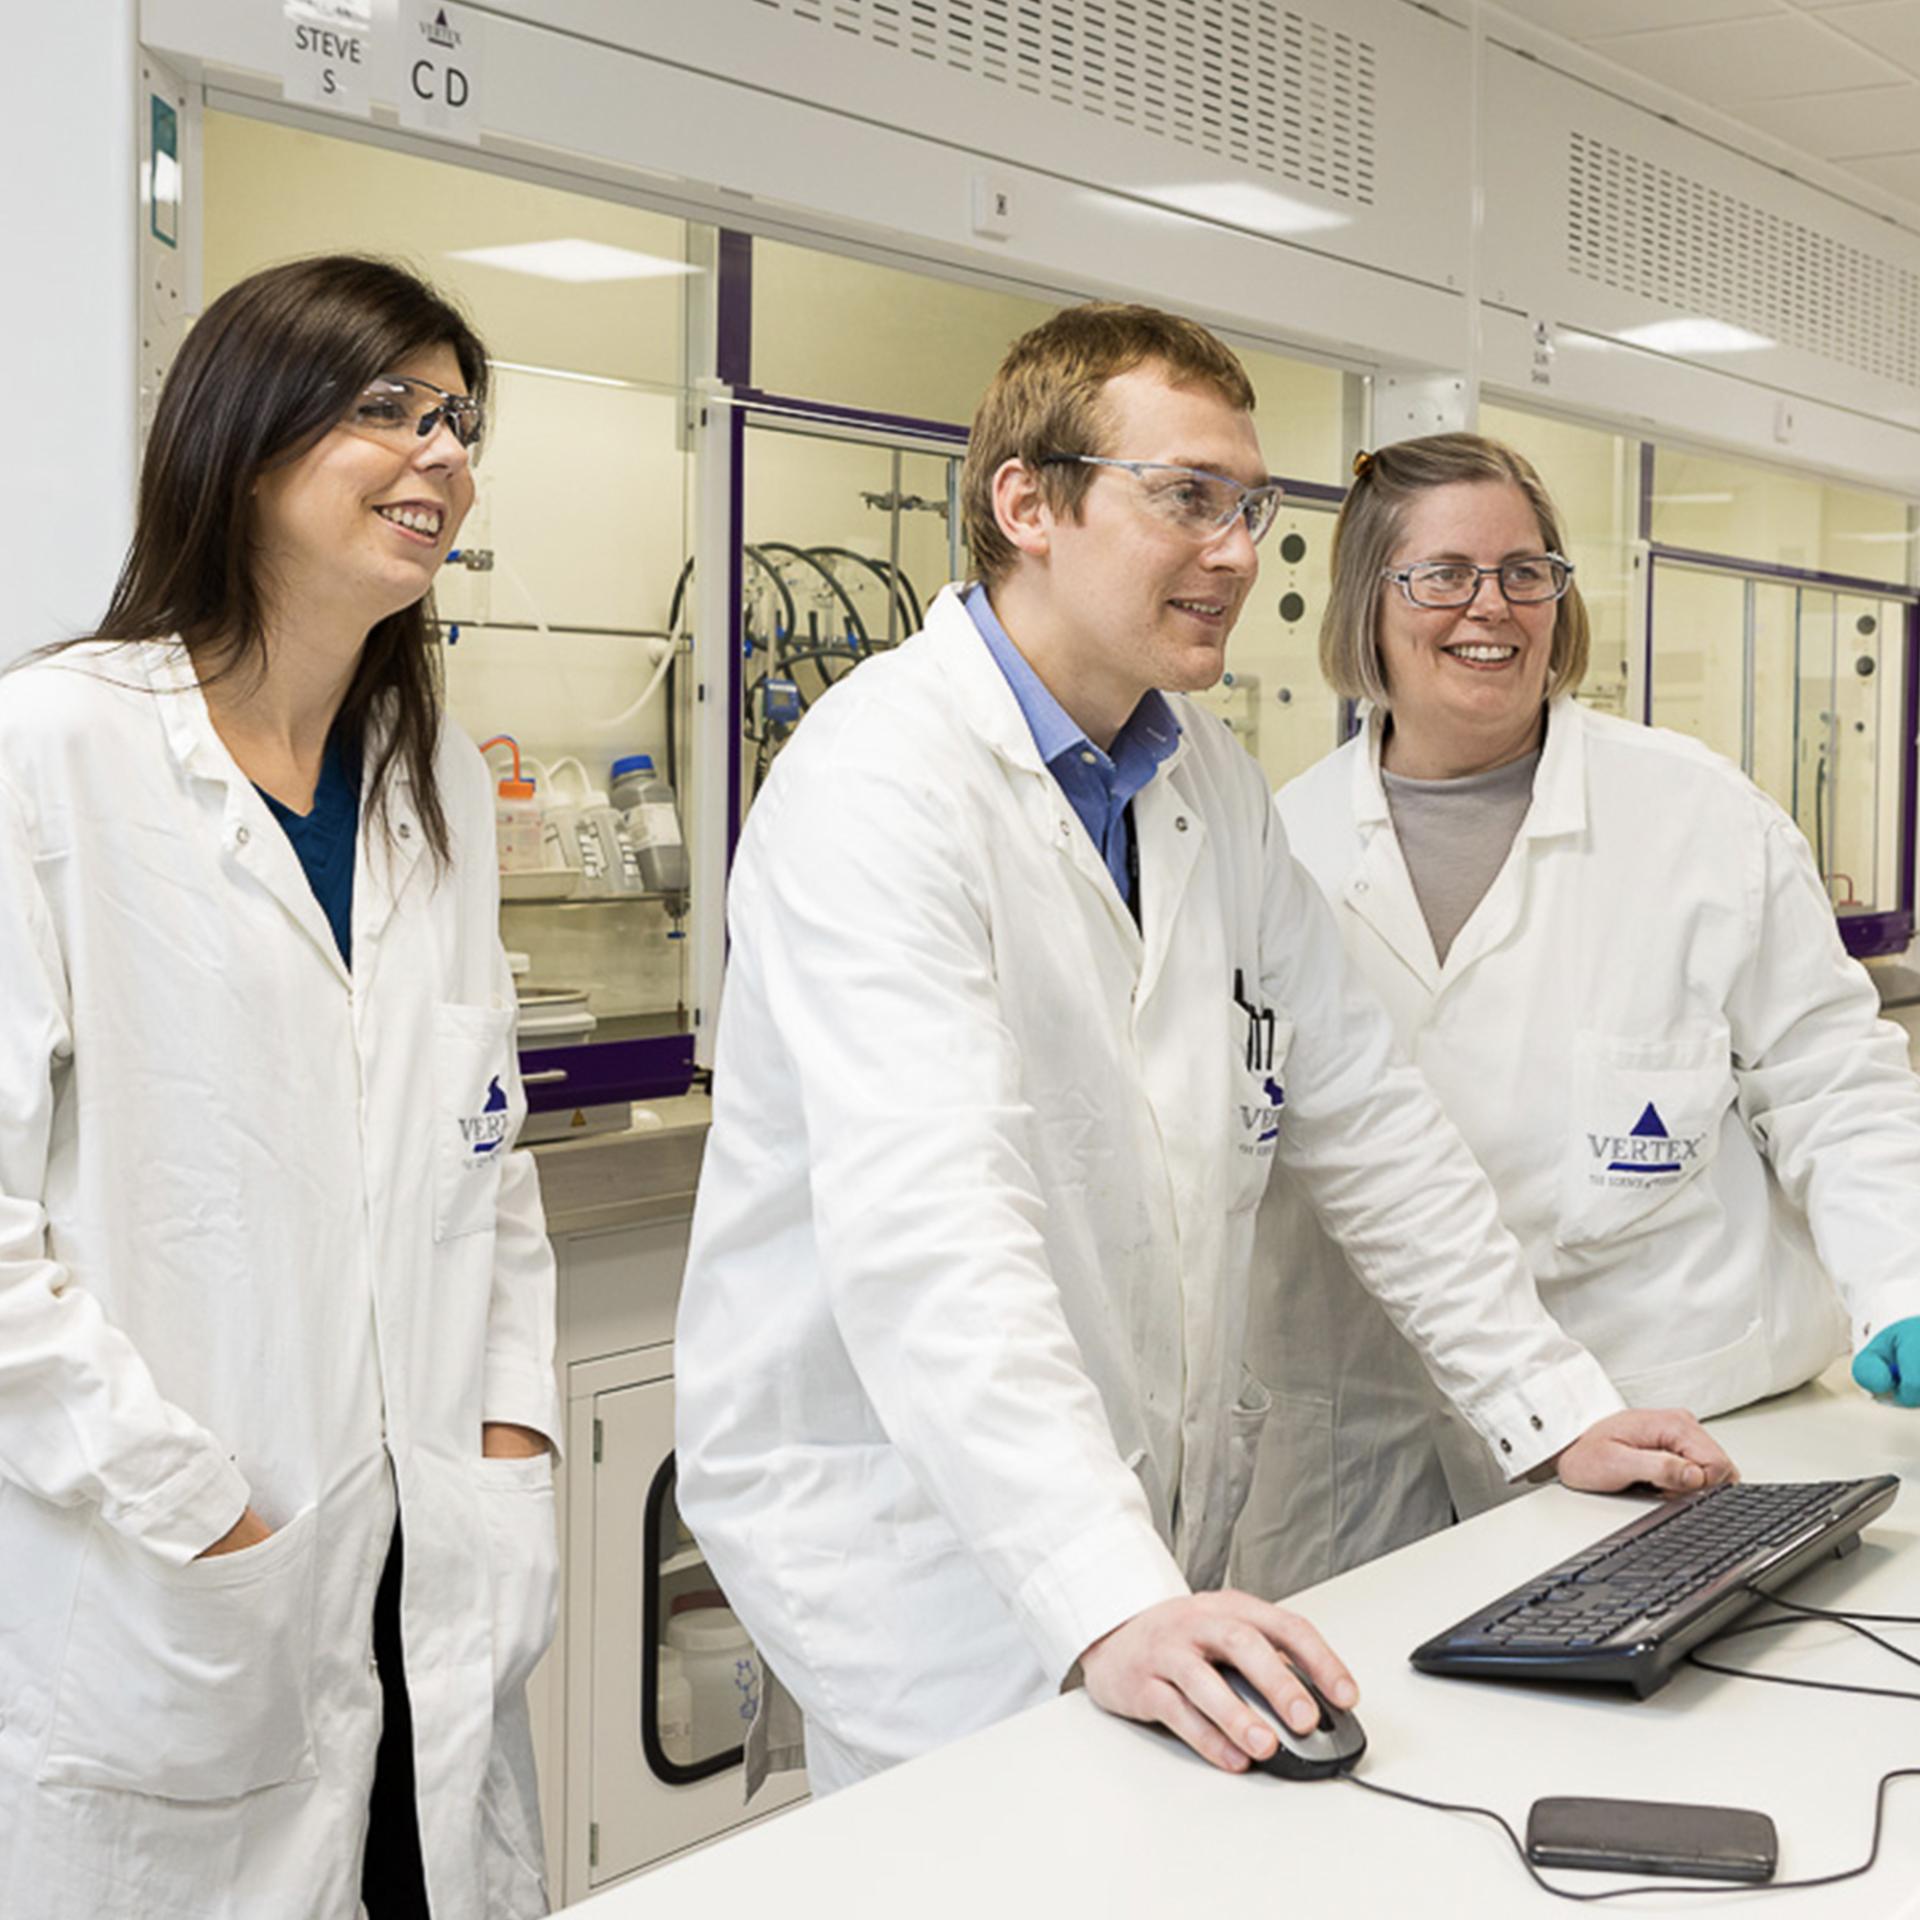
(792, 406)
(1791, 576)
(733, 316)
(736, 619)
(1869, 936)
(1310, 490)
(1646, 490)
(610, 1070)
(1910, 791)
(1646, 649)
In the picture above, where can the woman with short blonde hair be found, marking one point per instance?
(1616, 963)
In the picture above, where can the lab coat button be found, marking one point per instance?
(1359, 886)
(406, 830)
(1506, 1446)
(1538, 1423)
(1179, 823)
(241, 835)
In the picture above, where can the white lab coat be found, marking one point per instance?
(960, 1352)
(261, 1229)
(1658, 938)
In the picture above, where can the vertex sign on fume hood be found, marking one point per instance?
(422, 55)
(439, 78)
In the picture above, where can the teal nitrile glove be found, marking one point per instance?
(1888, 1366)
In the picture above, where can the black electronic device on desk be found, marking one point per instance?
(1628, 1608)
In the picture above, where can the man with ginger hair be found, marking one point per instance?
(1025, 997)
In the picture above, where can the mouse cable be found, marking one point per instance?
(1657, 1886)
(1743, 1673)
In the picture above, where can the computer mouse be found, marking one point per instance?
(1334, 1746)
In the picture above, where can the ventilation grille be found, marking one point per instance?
(1643, 228)
(1255, 82)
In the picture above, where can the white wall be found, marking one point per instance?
(68, 151)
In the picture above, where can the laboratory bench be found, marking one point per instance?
(1063, 1810)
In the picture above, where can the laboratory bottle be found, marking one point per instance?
(517, 827)
(723, 1670)
(673, 1709)
(586, 834)
(646, 805)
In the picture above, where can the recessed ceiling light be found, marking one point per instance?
(1694, 334)
(576, 260)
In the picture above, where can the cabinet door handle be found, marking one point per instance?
(546, 1077)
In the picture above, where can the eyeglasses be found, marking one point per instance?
(1201, 505)
(1525, 582)
(397, 406)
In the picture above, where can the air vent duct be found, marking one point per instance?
(1266, 86)
(1646, 229)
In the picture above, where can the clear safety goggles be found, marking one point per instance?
(1199, 504)
(400, 406)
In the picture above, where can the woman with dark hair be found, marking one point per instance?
(1614, 960)
(274, 1286)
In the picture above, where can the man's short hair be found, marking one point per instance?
(1047, 399)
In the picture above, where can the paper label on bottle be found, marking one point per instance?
(593, 856)
(659, 823)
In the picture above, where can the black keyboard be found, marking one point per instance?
(1628, 1607)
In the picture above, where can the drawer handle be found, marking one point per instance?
(547, 1077)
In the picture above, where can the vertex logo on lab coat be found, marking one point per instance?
(486, 1131)
(1648, 1156)
(1263, 1122)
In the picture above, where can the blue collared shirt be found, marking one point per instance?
(1099, 785)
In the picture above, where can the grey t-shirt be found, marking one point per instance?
(1455, 836)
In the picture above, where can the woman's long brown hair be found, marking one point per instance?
(270, 366)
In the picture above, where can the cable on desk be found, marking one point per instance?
(1641, 1889)
(1792, 1618)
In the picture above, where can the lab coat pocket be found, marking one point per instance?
(1643, 1124)
(187, 1683)
(523, 1564)
(1245, 1422)
(478, 1107)
(1259, 1100)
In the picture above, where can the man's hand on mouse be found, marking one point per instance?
(1655, 1446)
(1163, 1665)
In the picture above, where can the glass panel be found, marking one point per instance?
(829, 328)
(1272, 695)
(1700, 661)
(560, 620)
(890, 341)
(1805, 688)
(1857, 820)
(705, 1671)
(1301, 412)
(1593, 478)
(273, 192)
(847, 542)
(1715, 505)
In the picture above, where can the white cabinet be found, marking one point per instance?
(643, 1800)
(614, 1798)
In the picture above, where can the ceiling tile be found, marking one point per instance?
(1583, 20)
(1729, 64)
(1841, 126)
(1889, 27)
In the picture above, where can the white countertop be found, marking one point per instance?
(1064, 1811)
